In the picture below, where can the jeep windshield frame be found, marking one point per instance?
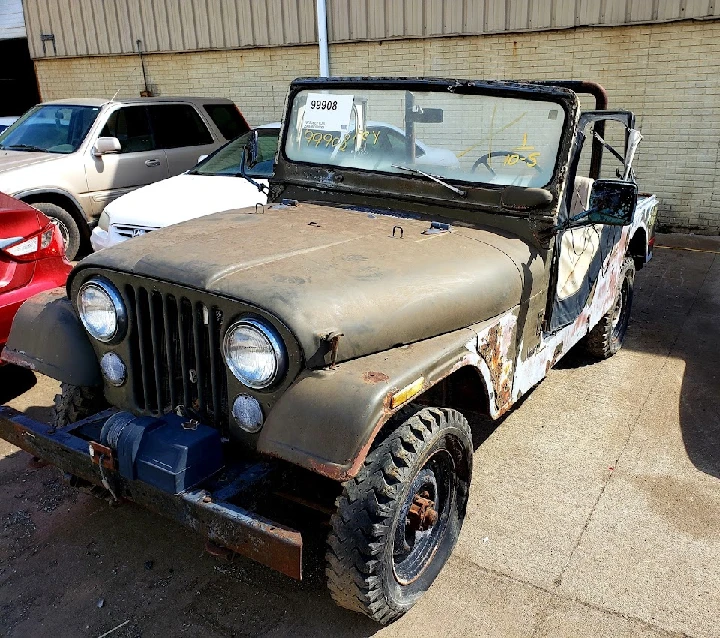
(326, 168)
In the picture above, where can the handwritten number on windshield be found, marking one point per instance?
(331, 142)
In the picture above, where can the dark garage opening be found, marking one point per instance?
(18, 85)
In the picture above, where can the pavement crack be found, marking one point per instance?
(555, 595)
(631, 425)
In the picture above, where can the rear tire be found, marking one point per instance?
(607, 337)
(66, 224)
(75, 403)
(397, 521)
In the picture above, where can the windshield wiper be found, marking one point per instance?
(23, 147)
(434, 178)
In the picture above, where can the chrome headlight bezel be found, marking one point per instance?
(116, 300)
(273, 339)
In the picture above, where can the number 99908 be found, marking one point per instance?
(323, 105)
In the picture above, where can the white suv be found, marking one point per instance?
(70, 158)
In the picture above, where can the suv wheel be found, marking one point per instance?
(397, 521)
(607, 337)
(75, 403)
(66, 225)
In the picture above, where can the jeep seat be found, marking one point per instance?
(581, 195)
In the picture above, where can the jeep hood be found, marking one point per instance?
(324, 270)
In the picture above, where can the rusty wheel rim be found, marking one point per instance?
(423, 517)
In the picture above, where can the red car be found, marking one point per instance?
(32, 258)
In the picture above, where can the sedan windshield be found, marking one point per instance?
(51, 128)
(455, 137)
(227, 160)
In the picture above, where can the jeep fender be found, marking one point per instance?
(327, 420)
(48, 337)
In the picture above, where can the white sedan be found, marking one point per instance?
(216, 184)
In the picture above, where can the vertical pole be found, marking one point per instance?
(323, 38)
(409, 127)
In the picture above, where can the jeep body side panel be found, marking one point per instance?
(47, 336)
(554, 345)
(327, 420)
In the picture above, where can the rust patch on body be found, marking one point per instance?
(490, 350)
(375, 377)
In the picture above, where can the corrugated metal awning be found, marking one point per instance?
(12, 21)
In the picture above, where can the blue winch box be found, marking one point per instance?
(171, 453)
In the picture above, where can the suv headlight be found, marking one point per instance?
(102, 310)
(104, 221)
(255, 353)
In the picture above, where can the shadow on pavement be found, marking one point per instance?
(699, 347)
(677, 312)
(73, 562)
(14, 381)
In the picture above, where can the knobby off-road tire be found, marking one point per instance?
(378, 562)
(66, 224)
(607, 337)
(75, 403)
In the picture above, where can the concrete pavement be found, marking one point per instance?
(595, 511)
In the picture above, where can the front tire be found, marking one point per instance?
(607, 337)
(398, 520)
(75, 403)
(66, 225)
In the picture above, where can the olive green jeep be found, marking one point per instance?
(430, 249)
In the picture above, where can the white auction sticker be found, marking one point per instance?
(327, 112)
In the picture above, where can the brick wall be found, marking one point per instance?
(669, 74)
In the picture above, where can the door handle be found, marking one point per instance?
(152, 162)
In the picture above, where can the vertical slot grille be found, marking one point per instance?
(175, 355)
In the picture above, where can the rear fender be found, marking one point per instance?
(327, 420)
(48, 337)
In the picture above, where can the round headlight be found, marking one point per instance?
(254, 353)
(102, 310)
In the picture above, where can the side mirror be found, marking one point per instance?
(106, 145)
(612, 202)
(201, 158)
(426, 116)
(251, 150)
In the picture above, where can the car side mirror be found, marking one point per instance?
(201, 158)
(106, 145)
(612, 202)
(251, 150)
(426, 116)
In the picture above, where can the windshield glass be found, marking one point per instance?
(52, 128)
(227, 159)
(470, 138)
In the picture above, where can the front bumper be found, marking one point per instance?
(207, 509)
